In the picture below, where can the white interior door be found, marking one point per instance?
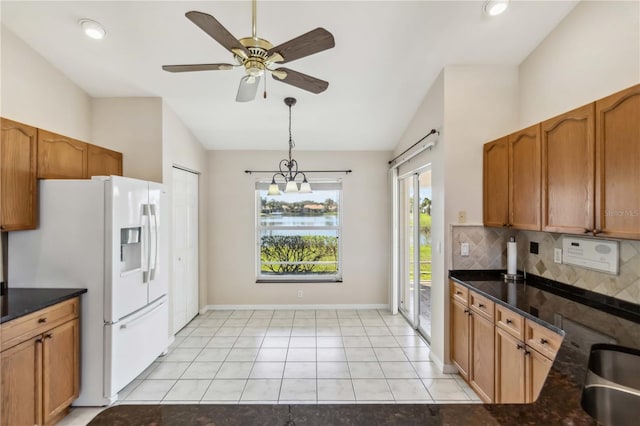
(185, 247)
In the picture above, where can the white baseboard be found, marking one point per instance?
(445, 368)
(290, 307)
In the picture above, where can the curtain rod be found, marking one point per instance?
(412, 146)
(304, 171)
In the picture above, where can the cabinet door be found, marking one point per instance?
(524, 179)
(481, 377)
(20, 385)
(460, 337)
(18, 184)
(568, 171)
(510, 369)
(103, 162)
(538, 367)
(495, 190)
(618, 164)
(60, 157)
(60, 371)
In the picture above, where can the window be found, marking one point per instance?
(298, 235)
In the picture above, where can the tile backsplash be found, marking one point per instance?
(488, 250)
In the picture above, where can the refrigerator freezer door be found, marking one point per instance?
(126, 210)
(132, 344)
(159, 241)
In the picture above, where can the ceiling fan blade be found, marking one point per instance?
(211, 26)
(302, 81)
(307, 44)
(248, 88)
(197, 67)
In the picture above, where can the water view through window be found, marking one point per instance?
(299, 234)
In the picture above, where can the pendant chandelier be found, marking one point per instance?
(288, 167)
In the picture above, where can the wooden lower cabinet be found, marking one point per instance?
(510, 369)
(21, 383)
(60, 373)
(481, 377)
(520, 370)
(537, 370)
(39, 376)
(460, 337)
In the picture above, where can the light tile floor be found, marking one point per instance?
(297, 356)
(292, 357)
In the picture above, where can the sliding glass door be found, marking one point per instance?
(414, 298)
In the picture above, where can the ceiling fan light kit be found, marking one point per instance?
(257, 55)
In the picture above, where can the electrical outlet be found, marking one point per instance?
(557, 255)
(462, 216)
(464, 249)
(300, 293)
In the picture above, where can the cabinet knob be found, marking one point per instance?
(1, 227)
(509, 321)
(466, 311)
(42, 320)
(481, 306)
(505, 225)
(458, 292)
(48, 335)
(519, 346)
(526, 352)
(38, 340)
(597, 231)
(587, 231)
(543, 341)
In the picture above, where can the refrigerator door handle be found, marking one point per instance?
(154, 214)
(136, 320)
(146, 241)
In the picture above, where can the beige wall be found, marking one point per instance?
(132, 126)
(232, 236)
(595, 51)
(35, 93)
(181, 148)
(459, 100)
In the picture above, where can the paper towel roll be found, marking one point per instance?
(512, 257)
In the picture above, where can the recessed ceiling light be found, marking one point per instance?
(92, 29)
(495, 7)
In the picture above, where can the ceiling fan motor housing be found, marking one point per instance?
(257, 62)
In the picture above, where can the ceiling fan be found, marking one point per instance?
(257, 55)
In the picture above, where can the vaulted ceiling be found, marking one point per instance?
(386, 57)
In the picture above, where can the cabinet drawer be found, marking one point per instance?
(542, 339)
(18, 330)
(481, 305)
(459, 292)
(510, 322)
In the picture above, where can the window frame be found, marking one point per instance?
(262, 185)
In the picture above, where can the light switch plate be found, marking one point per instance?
(464, 249)
(557, 255)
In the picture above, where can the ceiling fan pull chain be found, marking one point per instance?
(265, 89)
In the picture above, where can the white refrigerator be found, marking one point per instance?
(109, 235)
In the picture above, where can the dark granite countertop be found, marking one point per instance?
(18, 302)
(547, 302)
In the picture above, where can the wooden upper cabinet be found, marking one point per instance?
(568, 171)
(524, 179)
(495, 181)
(61, 157)
(103, 162)
(618, 164)
(18, 185)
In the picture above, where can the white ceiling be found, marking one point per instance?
(387, 55)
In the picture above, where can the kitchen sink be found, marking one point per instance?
(611, 392)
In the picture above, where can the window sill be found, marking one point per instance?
(298, 281)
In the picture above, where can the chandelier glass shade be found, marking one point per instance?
(288, 167)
